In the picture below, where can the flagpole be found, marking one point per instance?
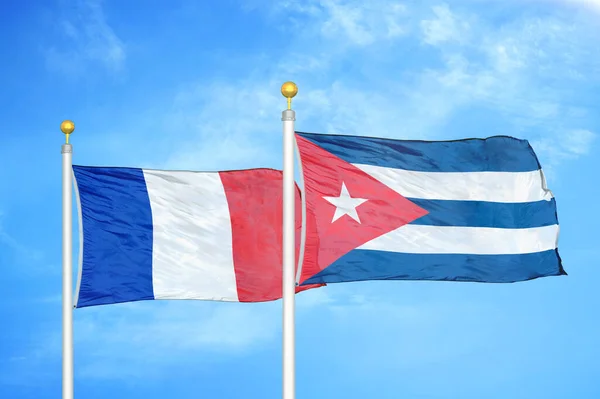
(289, 90)
(67, 127)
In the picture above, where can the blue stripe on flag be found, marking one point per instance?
(494, 154)
(487, 214)
(359, 265)
(117, 235)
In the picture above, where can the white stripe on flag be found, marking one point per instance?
(420, 239)
(510, 187)
(192, 255)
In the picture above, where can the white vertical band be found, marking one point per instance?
(289, 266)
(67, 278)
(192, 248)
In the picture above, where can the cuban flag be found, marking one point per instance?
(466, 210)
(152, 234)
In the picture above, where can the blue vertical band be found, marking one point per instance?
(117, 236)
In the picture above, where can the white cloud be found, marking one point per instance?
(351, 22)
(205, 126)
(524, 72)
(362, 23)
(554, 149)
(88, 39)
(229, 124)
(444, 28)
(593, 5)
(519, 71)
(578, 142)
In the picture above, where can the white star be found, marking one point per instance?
(345, 205)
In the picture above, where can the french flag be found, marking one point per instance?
(466, 210)
(152, 234)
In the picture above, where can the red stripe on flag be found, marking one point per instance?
(255, 199)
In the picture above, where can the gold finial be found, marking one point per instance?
(289, 90)
(67, 127)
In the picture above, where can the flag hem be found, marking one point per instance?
(80, 228)
(303, 205)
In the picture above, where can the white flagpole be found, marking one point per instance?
(289, 90)
(67, 127)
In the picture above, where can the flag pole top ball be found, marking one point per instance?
(289, 90)
(67, 127)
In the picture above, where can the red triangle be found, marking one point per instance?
(385, 210)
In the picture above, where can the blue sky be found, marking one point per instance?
(195, 85)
